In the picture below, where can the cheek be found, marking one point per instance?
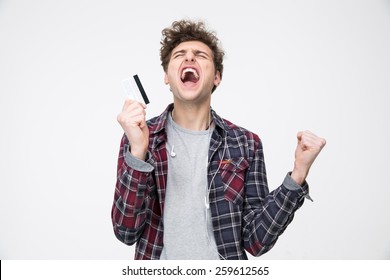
(169, 76)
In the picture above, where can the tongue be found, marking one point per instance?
(190, 78)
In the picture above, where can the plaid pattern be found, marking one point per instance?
(245, 215)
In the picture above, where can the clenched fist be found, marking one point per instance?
(132, 120)
(308, 148)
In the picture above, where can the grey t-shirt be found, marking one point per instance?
(187, 222)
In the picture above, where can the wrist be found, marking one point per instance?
(138, 153)
(299, 175)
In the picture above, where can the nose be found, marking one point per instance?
(190, 57)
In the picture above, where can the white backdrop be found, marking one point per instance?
(290, 65)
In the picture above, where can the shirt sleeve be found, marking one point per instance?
(132, 189)
(267, 214)
(138, 164)
(290, 184)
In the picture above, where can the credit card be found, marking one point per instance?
(134, 90)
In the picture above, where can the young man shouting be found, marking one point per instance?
(190, 184)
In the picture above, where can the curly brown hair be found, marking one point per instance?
(186, 30)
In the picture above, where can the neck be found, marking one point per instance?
(192, 117)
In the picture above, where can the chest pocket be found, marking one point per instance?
(233, 173)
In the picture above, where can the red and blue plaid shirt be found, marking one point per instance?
(245, 215)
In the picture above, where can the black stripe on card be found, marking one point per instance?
(141, 89)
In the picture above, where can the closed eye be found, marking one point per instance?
(202, 54)
(178, 54)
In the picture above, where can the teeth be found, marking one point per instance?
(189, 70)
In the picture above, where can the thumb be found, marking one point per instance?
(142, 124)
(299, 136)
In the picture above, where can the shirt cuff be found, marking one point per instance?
(291, 185)
(137, 164)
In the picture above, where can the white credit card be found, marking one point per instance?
(134, 89)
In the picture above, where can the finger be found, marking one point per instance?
(135, 121)
(130, 103)
(135, 108)
(127, 103)
(310, 136)
(135, 112)
(142, 124)
(312, 142)
(138, 119)
(133, 118)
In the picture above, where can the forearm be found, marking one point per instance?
(131, 191)
(299, 174)
(269, 219)
(128, 209)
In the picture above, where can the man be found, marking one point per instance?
(190, 184)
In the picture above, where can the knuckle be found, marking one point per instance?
(119, 118)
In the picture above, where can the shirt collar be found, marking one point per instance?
(162, 120)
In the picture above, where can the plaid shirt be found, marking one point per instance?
(245, 215)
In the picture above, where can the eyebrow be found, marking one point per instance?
(196, 52)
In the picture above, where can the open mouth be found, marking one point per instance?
(189, 75)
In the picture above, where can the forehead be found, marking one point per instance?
(192, 46)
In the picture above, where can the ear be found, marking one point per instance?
(166, 80)
(217, 78)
